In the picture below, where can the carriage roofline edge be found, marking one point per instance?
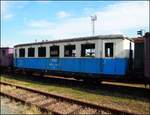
(77, 39)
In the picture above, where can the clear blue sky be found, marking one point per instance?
(27, 21)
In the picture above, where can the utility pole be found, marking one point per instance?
(93, 19)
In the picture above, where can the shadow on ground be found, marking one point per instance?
(98, 89)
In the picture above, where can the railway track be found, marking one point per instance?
(71, 82)
(60, 79)
(54, 104)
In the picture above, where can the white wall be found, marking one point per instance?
(126, 47)
(121, 48)
(118, 47)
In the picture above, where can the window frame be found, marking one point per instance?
(58, 51)
(20, 53)
(83, 50)
(40, 52)
(73, 48)
(30, 52)
(111, 47)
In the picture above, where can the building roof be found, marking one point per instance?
(5, 48)
(75, 39)
(138, 40)
(147, 35)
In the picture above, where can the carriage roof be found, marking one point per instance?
(76, 39)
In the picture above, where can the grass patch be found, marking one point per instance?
(98, 96)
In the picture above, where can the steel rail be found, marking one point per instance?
(82, 103)
(46, 77)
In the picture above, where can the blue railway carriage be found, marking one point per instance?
(97, 56)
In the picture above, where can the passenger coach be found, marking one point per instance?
(96, 56)
(6, 58)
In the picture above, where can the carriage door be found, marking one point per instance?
(108, 61)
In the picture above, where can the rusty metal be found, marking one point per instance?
(147, 55)
(6, 58)
(139, 55)
(62, 98)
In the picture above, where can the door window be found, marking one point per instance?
(109, 50)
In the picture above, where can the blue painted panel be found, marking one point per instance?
(34, 63)
(90, 65)
(70, 64)
(121, 66)
(115, 66)
(84, 65)
(53, 64)
(108, 66)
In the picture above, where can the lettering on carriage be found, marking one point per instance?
(53, 62)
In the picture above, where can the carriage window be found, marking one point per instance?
(108, 49)
(88, 50)
(54, 51)
(22, 52)
(42, 51)
(69, 51)
(31, 52)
